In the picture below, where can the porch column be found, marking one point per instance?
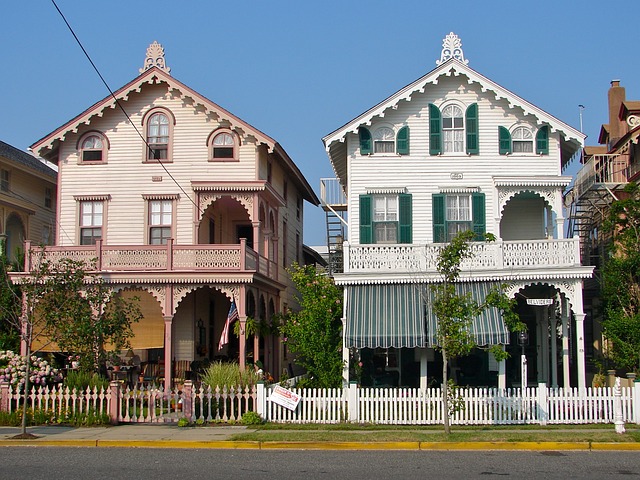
(539, 343)
(345, 356)
(168, 353)
(554, 348)
(502, 372)
(243, 342)
(549, 222)
(545, 344)
(423, 368)
(256, 236)
(266, 242)
(582, 377)
(565, 344)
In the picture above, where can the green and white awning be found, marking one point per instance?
(488, 328)
(400, 315)
(384, 316)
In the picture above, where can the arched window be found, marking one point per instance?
(384, 140)
(93, 148)
(223, 146)
(452, 129)
(522, 140)
(159, 130)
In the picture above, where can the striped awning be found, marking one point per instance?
(384, 316)
(488, 328)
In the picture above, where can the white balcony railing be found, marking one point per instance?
(518, 255)
(331, 192)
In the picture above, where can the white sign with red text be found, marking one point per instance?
(285, 398)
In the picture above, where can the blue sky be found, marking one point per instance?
(297, 70)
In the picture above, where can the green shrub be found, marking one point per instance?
(183, 422)
(220, 374)
(81, 380)
(251, 418)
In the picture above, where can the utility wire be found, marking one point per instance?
(119, 104)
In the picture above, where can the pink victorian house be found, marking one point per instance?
(187, 207)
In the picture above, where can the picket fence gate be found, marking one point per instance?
(394, 406)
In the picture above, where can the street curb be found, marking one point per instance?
(259, 445)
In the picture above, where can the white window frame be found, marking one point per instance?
(385, 219)
(160, 220)
(384, 141)
(458, 213)
(453, 135)
(91, 219)
(522, 136)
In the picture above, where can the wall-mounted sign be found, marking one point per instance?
(456, 176)
(539, 301)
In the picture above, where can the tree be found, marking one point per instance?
(455, 311)
(64, 303)
(314, 333)
(10, 305)
(620, 285)
(83, 315)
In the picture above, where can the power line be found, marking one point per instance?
(120, 105)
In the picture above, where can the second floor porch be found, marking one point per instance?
(165, 259)
(499, 256)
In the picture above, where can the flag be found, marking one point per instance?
(231, 317)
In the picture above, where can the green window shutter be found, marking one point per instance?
(472, 129)
(365, 141)
(478, 215)
(435, 130)
(505, 140)
(366, 227)
(439, 218)
(402, 141)
(406, 222)
(542, 141)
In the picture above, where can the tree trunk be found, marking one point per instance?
(445, 393)
(26, 390)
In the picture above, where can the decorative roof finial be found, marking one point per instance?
(451, 48)
(155, 58)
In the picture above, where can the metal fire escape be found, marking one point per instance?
(334, 203)
(594, 189)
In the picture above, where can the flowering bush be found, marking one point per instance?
(13, 370)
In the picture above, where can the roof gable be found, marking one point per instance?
(451, 66)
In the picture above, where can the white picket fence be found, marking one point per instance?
(393, 406)
(476, 406)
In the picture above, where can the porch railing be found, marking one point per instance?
(169, 257)
(486, 256)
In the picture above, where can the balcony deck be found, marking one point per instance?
(498, 256)
(210, 258)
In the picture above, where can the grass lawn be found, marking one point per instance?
(378, 433)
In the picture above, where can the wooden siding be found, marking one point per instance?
(422, 174)
(126, 177)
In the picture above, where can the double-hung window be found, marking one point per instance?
(91, 221)
(158, 135)
(385, 218)
(452, 129)
(522, 140)
(458, 212)
(384, 140)
(160, 221)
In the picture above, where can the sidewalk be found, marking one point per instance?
(172, 436)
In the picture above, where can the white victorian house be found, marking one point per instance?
(186, 206)
(455, 151)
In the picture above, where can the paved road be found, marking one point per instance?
(118, 463)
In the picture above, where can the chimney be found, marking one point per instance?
(617, 127)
